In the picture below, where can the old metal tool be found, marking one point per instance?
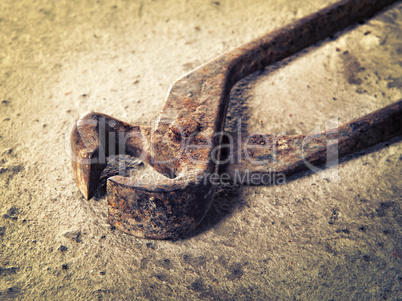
(185, 144)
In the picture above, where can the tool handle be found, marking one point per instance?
(197, 103)
(259, 155)
(307, 31)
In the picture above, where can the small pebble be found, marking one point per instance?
(362, 228)
(73, 235)
(63, 248)
(366, 258)
(150, 245)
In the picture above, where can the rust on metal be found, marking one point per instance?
(272, 154)
(185, 144)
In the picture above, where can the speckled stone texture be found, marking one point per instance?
(331, 234)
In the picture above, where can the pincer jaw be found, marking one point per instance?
(87, 168)
(94, 137)
(86, 175)
(168, 209)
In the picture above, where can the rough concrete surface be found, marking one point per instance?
(330, 235)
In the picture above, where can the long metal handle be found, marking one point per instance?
(262, 155)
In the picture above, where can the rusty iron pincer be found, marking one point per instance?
(184, 145)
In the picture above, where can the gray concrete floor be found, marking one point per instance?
(318, 237)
